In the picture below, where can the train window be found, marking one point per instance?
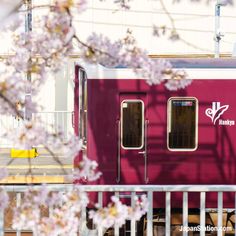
(182, 124)
(83, 106)
(132, 124)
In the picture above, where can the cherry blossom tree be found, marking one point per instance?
(43, 51)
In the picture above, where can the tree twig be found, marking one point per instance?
(174, 29)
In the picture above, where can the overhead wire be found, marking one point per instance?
(149, 26)
(161, 11)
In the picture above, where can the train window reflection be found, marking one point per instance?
(132, 124)
(182, 124)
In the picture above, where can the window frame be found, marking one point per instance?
(83, 106)
(169, 108)
(143, 116)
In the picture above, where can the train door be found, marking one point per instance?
(80, 104)
(132, 162)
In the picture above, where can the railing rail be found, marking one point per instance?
(52, 120)
(149, 190)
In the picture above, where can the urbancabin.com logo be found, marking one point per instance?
(216, 112)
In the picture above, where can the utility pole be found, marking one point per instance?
(218, 35)
(28, 28)
(217, 30)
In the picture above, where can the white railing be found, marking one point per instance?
(53, 120)
(149, 190)
(57, 120)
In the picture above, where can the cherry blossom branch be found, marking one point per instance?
(174, 35)
(52, 43)
(93, 49)
(36, 7)
(14, 10)
(29, 173)
(169, 16)
(13, 106)
(55, 157)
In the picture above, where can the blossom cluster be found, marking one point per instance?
(46, 46)
(64, 211)
(4, 198)
(13, 89)
(33, 133)
(116, 213)
(86, 170)
(44, 50)
(34, 53)
(64, 5)
(125, 52)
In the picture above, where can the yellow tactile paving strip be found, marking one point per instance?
(22, 167)
(44, 168)
(34, 180)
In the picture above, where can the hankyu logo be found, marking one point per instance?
(216, 111)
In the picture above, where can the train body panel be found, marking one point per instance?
(149, 160)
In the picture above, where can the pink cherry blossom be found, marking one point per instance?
(125, 52)
(140, 208)
(3, 173)
(176, 84)
(79, 5)
(45, 50)
(86, 170)
(12, 92)
(64, 212)
(46, 47)
(4, 198)
(35, 133)
(116, 213)
(177, 80)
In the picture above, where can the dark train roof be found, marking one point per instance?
(203, 63)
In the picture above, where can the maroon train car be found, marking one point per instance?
(141, 134)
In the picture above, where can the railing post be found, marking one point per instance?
(116, 228)
(133, 222)
(18, 202)
(2, 223)
(100, 202)
(202, 213)
(168, 213)
(150, 214)
(83, 216)
(235, 214)
(220, 214)
(149, 189)
(185, 213)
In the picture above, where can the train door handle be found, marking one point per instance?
(73, 119)
(142, 152)
(118, 153)
(145, 154)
